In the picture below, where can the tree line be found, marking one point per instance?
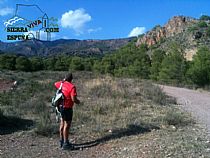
(129, 61)
(58, 63)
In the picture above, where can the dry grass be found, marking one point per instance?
(112, 110)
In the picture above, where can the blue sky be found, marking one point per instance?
(104, 19)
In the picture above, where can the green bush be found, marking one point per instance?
(49, 63)
(198, 71)
(77, 64)
(157, 58)
(23, 64)
(60, 65)
(205, 17)
(173, 66)
(154, 93)
(177, 118)
(202, 24)
(36, 64)
(7, 61)
(192, 28)
(44, 125)
(208, 31)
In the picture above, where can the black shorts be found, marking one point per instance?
(67, 114)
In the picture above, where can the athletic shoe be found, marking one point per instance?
(61, 143)
(67, 146)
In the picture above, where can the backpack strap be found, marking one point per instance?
(60, 88)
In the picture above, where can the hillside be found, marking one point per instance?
(62, 46)
(162, 54)
(187, 32)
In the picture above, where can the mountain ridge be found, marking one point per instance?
(188, 32)
(88, 47)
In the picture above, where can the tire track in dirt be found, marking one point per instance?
(194, 101)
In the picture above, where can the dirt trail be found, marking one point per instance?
(194, 101)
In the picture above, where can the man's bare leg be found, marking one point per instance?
(61, 129)
(66, 128)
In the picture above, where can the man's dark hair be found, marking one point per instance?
(69, 77)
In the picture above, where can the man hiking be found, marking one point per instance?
(66, 109)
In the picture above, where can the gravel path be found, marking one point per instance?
(196, 102)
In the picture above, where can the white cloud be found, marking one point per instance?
(137, 31)
(94, 30)
(75, 20)
(6, 11)
(65, 37)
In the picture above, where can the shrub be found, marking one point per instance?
(192, 28)
(199, 68)
(208, 31)
(36, 64)
(77, 64)
(205, 17)
(7, 62)
(44, 125)
(173, 66)
(154, 93)
(23, 63)
(202, 24)
(177, 118)
(103, 90)
(157, 58)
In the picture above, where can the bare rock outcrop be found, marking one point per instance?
(175, 25)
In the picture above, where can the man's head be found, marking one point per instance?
(68, 77)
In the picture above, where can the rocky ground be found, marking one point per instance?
(157, 143)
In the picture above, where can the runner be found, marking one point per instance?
(70, 97)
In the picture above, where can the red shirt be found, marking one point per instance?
(68, 89)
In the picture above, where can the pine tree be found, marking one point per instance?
(199, 71)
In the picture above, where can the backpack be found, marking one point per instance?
(58, 101)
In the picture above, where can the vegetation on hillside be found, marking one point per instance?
(166, 63)
(129, 61)
(205, 17)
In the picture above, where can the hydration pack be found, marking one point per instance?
(58, 101)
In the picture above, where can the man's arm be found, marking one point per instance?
(75, 100)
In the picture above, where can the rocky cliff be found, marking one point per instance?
(189, 33)
(176, 25)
